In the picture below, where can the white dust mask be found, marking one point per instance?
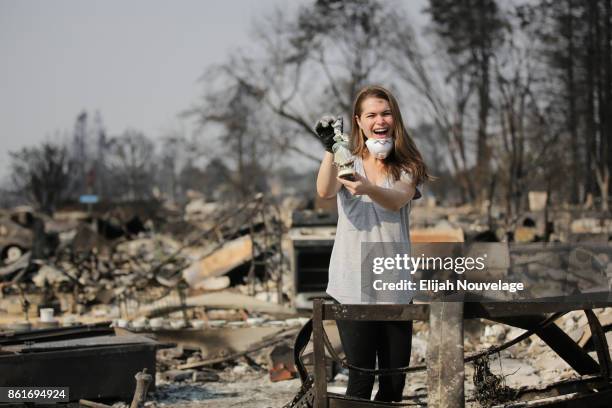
(380, 148)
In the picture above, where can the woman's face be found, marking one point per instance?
(376, 120)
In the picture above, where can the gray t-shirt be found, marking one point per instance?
(362, 220)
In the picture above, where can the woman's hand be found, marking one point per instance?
(325, 132)
(359, 186)
(392, 199)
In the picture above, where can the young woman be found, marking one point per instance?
(373, 206)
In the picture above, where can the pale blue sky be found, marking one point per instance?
(135, 61)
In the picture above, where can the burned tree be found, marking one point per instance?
(445, 102)
(471, 31)
(575, 40)
(43, 175)
(131, 160)
(309, 66)
(175, 154)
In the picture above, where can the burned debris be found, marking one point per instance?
(224, 292)
(212, 296)
(214, 289)
(490, 389)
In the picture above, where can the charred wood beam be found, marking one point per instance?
(143, 381)
(472, 310)
(600, 342)
(92, 404)
(557, 340)
(592, 400)
(380, 312)
(445, 368)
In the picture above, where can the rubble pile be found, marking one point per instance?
(101, 262)
(212, 285)
(209, 281)
(490, 389)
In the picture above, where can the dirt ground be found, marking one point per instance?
(530, 363)
(242, 386)
(254, 389)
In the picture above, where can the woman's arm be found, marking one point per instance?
(327, 182)
(392, 199)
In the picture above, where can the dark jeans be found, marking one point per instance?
(363, 342)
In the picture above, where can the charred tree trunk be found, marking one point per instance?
(607, 82)
(593, 155)
(571, 96)
(483, 154)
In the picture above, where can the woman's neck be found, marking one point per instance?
(369, 158)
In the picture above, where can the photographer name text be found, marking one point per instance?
(435, 285)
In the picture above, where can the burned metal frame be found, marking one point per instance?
(74, 356)
(445, 358)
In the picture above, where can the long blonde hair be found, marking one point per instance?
(405, 155)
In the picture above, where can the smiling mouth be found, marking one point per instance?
(380, 133)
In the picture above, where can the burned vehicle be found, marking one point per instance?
(15, 240)
(23, 230)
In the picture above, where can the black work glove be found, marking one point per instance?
(325, 132)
